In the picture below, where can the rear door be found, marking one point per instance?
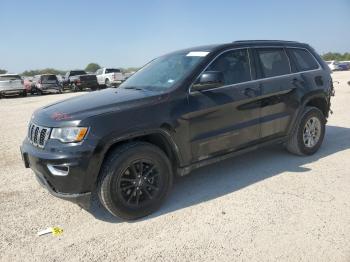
(277, 91)
(226, 118)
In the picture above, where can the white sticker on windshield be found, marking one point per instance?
(197, 53)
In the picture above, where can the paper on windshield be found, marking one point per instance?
(197, 53)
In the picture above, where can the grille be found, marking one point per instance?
(38, 135)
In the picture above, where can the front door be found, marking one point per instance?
(226, 118)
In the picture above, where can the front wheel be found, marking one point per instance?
(75, 88)
(135, 180)
(308, 135)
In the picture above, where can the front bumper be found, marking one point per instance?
(77, 184)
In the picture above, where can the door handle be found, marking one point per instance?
(297, 82)
(250, 92)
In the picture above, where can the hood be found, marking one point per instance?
(75, 109)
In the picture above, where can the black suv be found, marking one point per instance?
(181, 111)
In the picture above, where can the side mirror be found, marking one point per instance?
(209, 80)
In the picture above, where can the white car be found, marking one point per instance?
(109, 76)
(333, 65)
(11, 84)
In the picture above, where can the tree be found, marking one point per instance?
(2, 71)
(43, 71)
(92, 67)
(336, 56)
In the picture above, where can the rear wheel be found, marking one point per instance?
(107, 83)
(24, 93)
(308, 135)
(135, 179)
(75, 88)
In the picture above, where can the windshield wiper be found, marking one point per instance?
(133, 87)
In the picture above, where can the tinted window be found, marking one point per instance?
(112, 70)
(234, 65)
(76, 73)
(274, 62)
(303, 59)
(48, 78)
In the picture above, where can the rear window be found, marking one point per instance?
(273, 61)
(303, 59)
(76, 73)
(49, 78)
(112, 70)
(10, 77)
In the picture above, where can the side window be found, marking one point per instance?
(234, 65)
(303, 59)
(273, 61)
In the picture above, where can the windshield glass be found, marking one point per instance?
(10, 77)
(48, 78)
(112, 70)
(164, 72)
(77, 73)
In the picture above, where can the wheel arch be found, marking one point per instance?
(159, 137)
(319, 101)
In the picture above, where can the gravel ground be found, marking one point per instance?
(267, 205)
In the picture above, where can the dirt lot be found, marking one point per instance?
(267, 205)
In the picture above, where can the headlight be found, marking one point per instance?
(69, 134)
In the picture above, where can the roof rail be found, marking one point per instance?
(263, 41)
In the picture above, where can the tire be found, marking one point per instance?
(75, 88)
(24, 93)
(107, 83)
(39, 92)
(118, 181)
(296, 143)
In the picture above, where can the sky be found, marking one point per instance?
(69, 34)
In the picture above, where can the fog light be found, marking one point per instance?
(58, 170)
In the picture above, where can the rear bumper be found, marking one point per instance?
(12, 91)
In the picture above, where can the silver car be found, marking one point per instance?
(47, 83)
(11, 84)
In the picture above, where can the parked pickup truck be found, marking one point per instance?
(109, 76)
(78, 80)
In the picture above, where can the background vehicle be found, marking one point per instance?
(109, 76)
(77, 80)
(182, 111)
(343, 66)
(43, 84)
(11, 84)
(28, 83)
(333, 65)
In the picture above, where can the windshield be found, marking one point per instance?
(48, 78)
(164, 72)
(112, 70)
(77, 73)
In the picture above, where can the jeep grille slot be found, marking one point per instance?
(38, 135)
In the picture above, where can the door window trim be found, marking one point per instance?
(249, 58)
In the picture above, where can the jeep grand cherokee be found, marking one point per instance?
(181, 111)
